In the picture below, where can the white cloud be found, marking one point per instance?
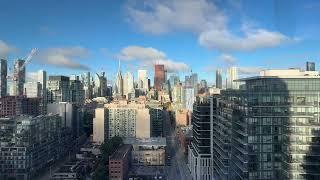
(5, 49)
(150, 56)
(253, 39)
(64, 57)
(203, 18)
(228, 59)
(140, 53)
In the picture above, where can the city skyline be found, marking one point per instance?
(94, 40)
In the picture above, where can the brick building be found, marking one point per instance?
(119, 163)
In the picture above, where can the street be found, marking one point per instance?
(176, 167)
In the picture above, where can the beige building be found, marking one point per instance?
(100, 125)
(182, 117)
(148, 151)
(121, 118)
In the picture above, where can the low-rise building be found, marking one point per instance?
(148, 151)
(119, 163)
(17, 105)
(72, 170)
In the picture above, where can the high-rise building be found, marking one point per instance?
(28, 144)
(118, 90)
(121, 118)
(128, 85)
(270, 128)
(189, 98)
(76, 90)
(219, 78)
(203, 84)
(42, 79)
(177, 94)
(33, 89)
(157, 118)
(143, 79)
(58, 89)
(310, 66)
(100, 85)
(159, 76)
(199, 156)
(173, 80)
(71, 114)
(3, 77)
(19, 77)
(87, 86)
(232, 75)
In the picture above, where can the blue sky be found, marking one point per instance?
(202, 35)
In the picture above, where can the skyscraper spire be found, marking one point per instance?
(119, 68)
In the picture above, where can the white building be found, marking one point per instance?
(189, 98)
(143, 79)
(33, 89)
(128, 85)
(232, 74)
(100, 131)
(121, 118)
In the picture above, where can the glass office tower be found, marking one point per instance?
(275, 127)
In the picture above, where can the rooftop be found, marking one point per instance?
(284, 73)
(153, 141)
(121, 152)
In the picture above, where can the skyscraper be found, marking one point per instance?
(100, 85)
(128, 85)
(143, 79)
(159, 76)
(119, 82)
(310, 66)
(232, 75)
(58, 89)
(270, 130)
(19, 77)
(3, 77)
(87, 86)
(199, 156)
(219, 78)
(42, 79)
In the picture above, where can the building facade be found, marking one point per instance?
(19, 77)
(29, 144)
(270, 129)
(58, 89)
(159, 76)
(219, 78)
(147, 151)
(200, 151)
(119, 163)
(3, 77)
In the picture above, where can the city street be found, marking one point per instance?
(176, 167)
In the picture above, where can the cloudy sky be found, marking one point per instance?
(185, 35)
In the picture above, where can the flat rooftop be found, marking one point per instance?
(153, 141)
(121, 152)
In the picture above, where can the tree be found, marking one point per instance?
(107, 149)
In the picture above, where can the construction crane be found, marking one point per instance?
(27, 60)
(14, 75)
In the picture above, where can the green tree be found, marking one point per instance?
(107, 149)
